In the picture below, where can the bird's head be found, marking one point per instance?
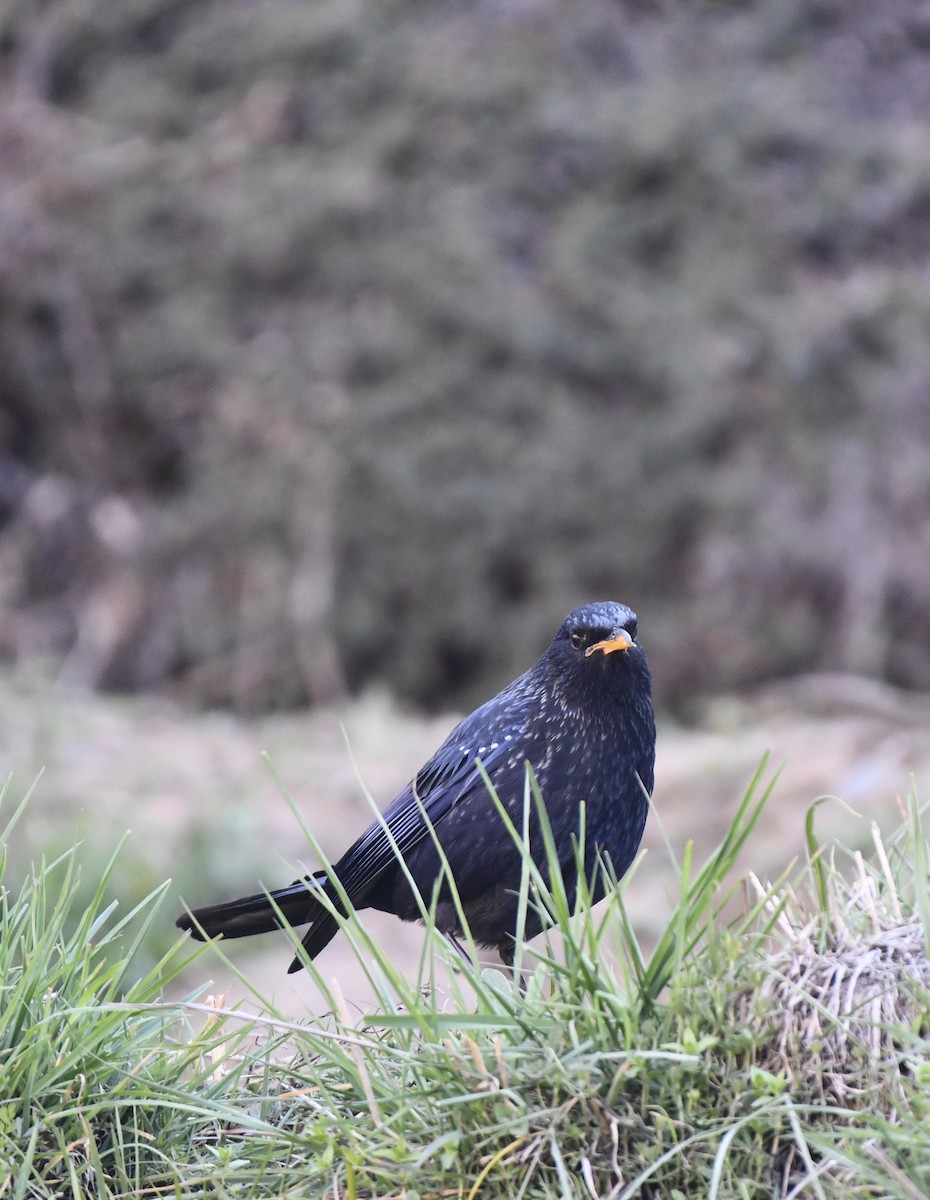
(596, 648)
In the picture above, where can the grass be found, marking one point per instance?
(773, 1043)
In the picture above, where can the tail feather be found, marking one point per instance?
(317, 937)
(296, 905)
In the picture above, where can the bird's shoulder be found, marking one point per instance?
(491, 735)
(495, 730)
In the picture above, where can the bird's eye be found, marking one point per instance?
(577, 639)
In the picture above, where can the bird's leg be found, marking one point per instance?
(458, 947)
(507, 953)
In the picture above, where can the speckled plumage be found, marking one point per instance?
(581, 717)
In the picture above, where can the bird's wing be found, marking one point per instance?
(449, 777)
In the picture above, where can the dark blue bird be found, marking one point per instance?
(581, 717)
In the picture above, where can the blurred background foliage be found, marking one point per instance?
(344, 343)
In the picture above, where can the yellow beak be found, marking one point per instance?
(622, 641)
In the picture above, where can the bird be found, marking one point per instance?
(581, 719)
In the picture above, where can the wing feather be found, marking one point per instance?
(447, 779)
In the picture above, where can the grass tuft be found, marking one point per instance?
(776, 1047)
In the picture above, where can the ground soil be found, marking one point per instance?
(205, 809)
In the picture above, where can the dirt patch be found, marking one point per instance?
(206, 811)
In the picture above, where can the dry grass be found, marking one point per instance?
(847, 977)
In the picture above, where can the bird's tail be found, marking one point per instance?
(292, 905)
